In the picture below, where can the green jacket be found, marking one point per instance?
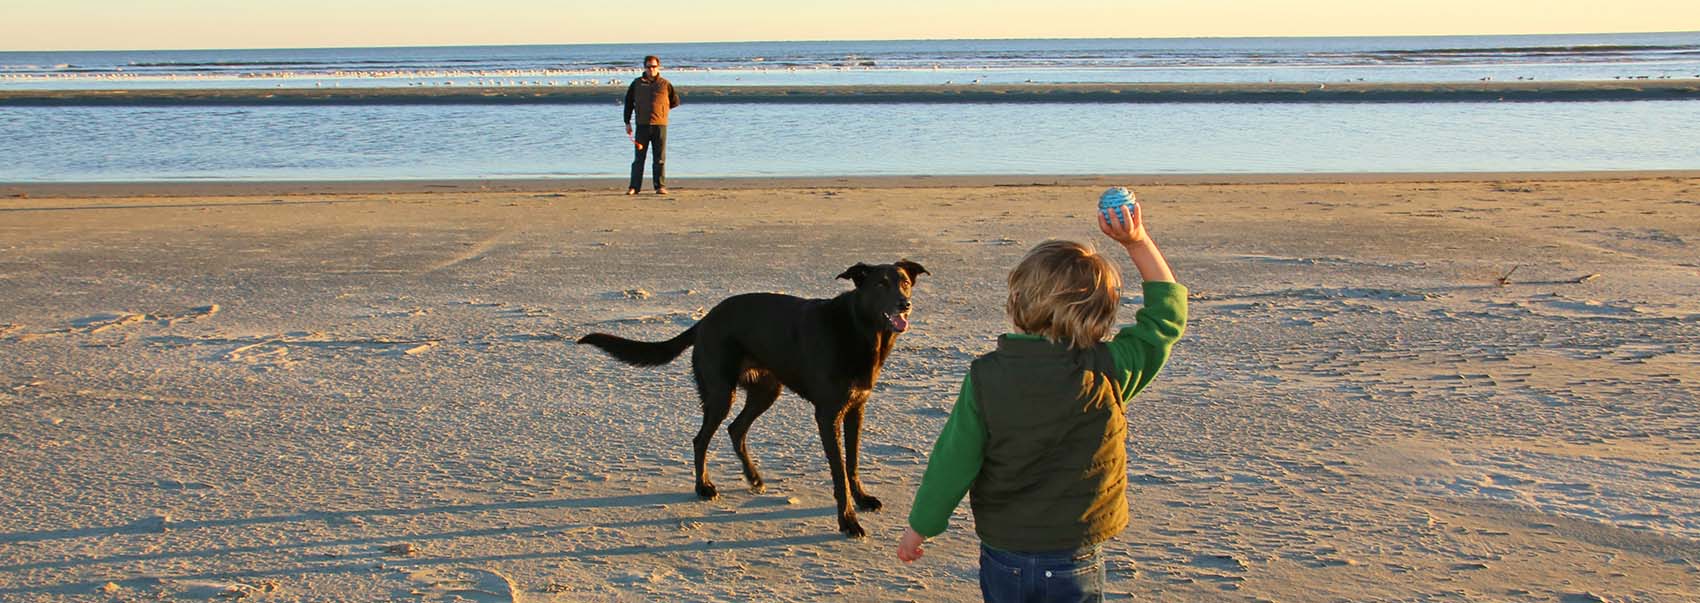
(1044, 447)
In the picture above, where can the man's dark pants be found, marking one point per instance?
(650, 138)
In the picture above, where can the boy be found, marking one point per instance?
(1038, 432)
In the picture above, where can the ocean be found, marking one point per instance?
(585, 140)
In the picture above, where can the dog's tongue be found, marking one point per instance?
(899, 323)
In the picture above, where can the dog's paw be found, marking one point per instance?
(707, 491)
(868, 503)
(758, 488)
(851, 528)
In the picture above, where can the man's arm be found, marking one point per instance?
(672, 96)
(631, 104)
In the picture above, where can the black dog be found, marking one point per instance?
(828, 351)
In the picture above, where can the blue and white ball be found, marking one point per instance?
(1113, 198)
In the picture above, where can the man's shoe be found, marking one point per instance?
(631, 191)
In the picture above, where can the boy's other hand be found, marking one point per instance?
(1128, 230)
(909, 549)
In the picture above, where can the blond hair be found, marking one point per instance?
(1065, 292)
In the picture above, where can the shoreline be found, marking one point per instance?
(1311, 92)
(10, 191)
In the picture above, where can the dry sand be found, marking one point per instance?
(365, 396)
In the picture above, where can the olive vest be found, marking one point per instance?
(1055, 470)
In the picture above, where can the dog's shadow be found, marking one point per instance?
(308, 557)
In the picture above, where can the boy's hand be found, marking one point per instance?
(909, 549)
(1129, 229)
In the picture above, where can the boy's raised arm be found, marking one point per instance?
(1129, 230)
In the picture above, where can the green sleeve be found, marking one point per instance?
(951, 469)
(1141, 349)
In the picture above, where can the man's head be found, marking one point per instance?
(1065, 292)
(651, 66)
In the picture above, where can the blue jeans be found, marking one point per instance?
(1054, 576)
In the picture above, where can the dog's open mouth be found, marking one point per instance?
(899, 322)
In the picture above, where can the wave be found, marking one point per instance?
(1578, 50)
(1549, 57)
(297, 63)
(863, 95)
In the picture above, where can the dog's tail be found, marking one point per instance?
(642, 353)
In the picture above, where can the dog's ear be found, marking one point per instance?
(856, 273)
(912, 269)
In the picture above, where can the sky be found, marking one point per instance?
(174, 24)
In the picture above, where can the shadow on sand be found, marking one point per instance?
(361, 563)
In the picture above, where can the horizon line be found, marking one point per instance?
(966, 39)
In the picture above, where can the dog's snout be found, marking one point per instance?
(903, 306)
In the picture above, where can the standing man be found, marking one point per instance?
(651, 97)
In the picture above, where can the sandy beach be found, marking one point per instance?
(1392, 388)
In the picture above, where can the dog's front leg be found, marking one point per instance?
(829, 423)
(852, 456)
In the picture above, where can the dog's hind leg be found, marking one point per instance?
(852, 453)
(829, 423)
(715, 388)
(759, 396)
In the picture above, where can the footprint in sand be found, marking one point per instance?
(195, 313)
(676, 317)
(107, 321)
(112, 320)
(462, 584)
(209, 590)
